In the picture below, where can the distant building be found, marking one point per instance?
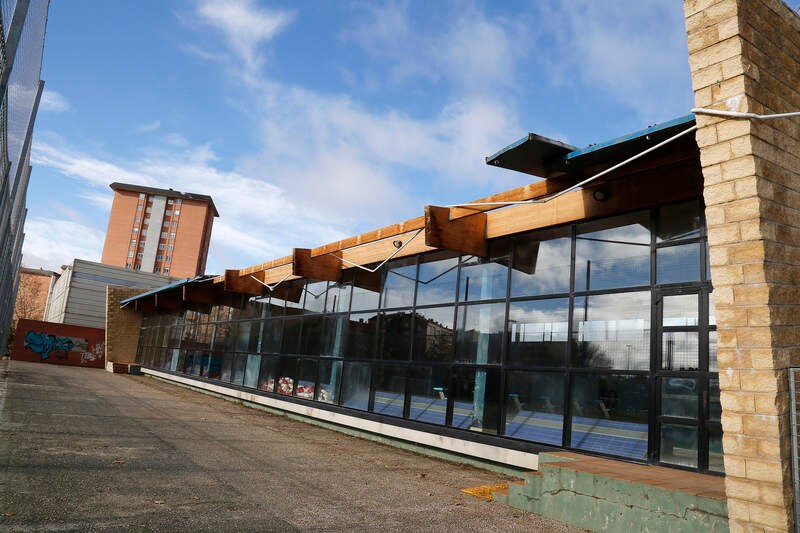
(22, 32)
(159, 230)
(34, 286)
(78, 297)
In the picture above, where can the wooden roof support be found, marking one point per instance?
(167, 300)
(244, 285)
(326, 267)
(201, 294)
(465, 235)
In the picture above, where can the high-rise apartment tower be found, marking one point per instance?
(159, 230)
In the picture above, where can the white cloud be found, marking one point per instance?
(50, 242)
(54, 102)
(149, 126)
(176, 139)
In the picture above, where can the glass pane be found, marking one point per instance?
(715, 463)
(311, 338)
(227, 365)
(712, 352)
(314, 297)
(678, 263)
(714, 407)
(266, 378)
(680, 310)
(395, 335)
(398, 287)
(252, 369)
(485, 279)
(541, 263)
(680, 350)
(438, 274)
(390, 390)
(538, 332)
(476, 399)
(362, 333)
(712, 311)
(215, 366)
(287, 368)
(678, 222)
(306, 379)
(366, 290)
(428, 388)
(535, 407)
(330, 374)
(247, 337)
(679, 397)
(355, 386)
(613, 252)
(480, 332)
(221, 332)
(679, 445)
(433, 334)
(334, 335)
(338, 300)
(271, 336)
(239, 362)
(610, 414)
(291, 335)
(612, 331)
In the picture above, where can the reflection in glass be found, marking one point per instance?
(271, 336)
(437, 278)
(680, 310)
(291, 335)
(535, 407)
(334, 335)
(541, 263)
(433, 334)
(330, 374)
(266, 377)
(311, 337)
(712, 352)
(215, 366)
(480, 332)
(680, 350)
(247, 334)
(714, 407)
(366, 290)
(538, 331)
(485, 279)
(609, 414)
(428, 388)
(678, 222)
(712, 310)
(679, 445)
(338, 300)
(715, 463)
(355, 386)
(239, 362)
(675, 264)
(395, 335)
(679, 397)
(306, 379)
(612, 331)
(314, 296)
(227, 365)
(476, 399)
(362, 331)
(613, 252)
(398, 287)
(390, 390)
(252, 369)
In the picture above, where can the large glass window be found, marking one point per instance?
(538, 332)
(355, 386)
(476, 395)
(433, 334)
(363, 330)
(428, 388)
(390, 390)
(398, 287)
(535, 407)
(395, 335)
(485, 279)
(438, 273)
(479, 334)
(541, 263)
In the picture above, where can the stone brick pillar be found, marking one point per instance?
(122, 325)
(745, 56)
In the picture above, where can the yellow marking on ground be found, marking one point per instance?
(485, 491)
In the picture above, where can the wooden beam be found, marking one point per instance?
(244, 285)
(370, 236)
(168, 300)
(274, 275)
(266, 266)
(532, 191)
(465, 235)
(375, 252)
(326, 267)
(201, 294)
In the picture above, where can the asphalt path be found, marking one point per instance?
(86, 450)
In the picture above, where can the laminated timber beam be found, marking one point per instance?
(326, 267)
(243, 285)
(465, 235)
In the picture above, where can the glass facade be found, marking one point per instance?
(596, 336)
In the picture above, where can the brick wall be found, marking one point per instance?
(191, 247)
(745, 56)
(122, 325)
(120, 224)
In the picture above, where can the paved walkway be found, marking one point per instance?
(84, 449)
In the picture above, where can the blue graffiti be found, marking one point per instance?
(43, 344)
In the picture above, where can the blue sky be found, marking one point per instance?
(311, 121)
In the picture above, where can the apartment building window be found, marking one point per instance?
(144, 232)
(169, 247)
(177, 212)
(139, 255)
(136, 230)
(130, 253)
(166, 223)
(167, 259)
(159, 258)
(161, 246)
(148, 210)
(141, 242)
(137, 219)
(133, 242)
(170, 201)
(139, 207)
(137, 267)
(147, 220)
(168, 213)
(174, 223)
(163, 234)
(172, 235)
(178, 201)
(127, 265)
(166, 271)
(141, 196)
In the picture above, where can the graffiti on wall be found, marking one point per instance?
(62, 344)
(44, 344)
